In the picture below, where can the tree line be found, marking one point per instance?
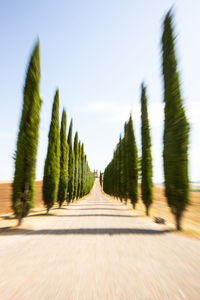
(121, 175)
(67, 175)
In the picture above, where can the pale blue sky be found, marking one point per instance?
(97, 52)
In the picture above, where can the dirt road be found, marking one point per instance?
(95, 249)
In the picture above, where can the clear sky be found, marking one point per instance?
(97, 52)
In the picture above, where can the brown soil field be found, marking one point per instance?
(6, 194)
(190, 222)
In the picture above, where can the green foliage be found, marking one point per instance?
(76, 155)
(132, 163)
(176, 129)
(27, 141)
(71, 163)
(64, 157)
(146, 161)
(82, 170)
(79, 170)
(121, 174)
(101, 178)
(52, 162)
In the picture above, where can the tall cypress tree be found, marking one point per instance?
(176, 131)
(64, 157)
(100, 178)
(146, 163)
(125, 159)
(121, 168)
(70, 163)
(27, 141)
(79, 170)
(76, 156)
(132, 163)
(82, 170)
(52, 162)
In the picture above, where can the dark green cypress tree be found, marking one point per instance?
(27, 141)
(100, 178)
(176, 130)
(52, 162)
(131, 163)
(84, 174)
(82, 170)
(146, 163)
(121, 174)
(125, 156)
(76, 156)
(64, 157)
(79, 170)
(70, 164)
(121, 168)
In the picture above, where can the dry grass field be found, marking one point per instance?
(191, 219)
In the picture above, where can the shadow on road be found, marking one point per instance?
(97, 208)
(98, 215)
(80, 231)
(97, 204)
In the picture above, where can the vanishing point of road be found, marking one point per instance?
(95, 249)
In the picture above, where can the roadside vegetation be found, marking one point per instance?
(67, 175)
(120, 176)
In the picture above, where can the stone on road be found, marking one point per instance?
(94, 249)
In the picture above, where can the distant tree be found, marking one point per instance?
(76, 156)
(146, 161)
(64, 157)
(132, 163)
(176, 128)
(125, 159)
(121, 170)
(120, 177)
(27, 141)
(79, 171)
(71, 164)
(52, 162)
(100, 178)
(82, 170)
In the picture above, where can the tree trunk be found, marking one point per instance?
(133, 205)
(178, 222)
(147, 210)
(19, 220)
(60, 204)
(48, 208)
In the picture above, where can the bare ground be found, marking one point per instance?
(95, 249)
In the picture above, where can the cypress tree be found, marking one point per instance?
(79, 170)
(100, 178)
(125, 158)
(27, 141)
(70, 163)
(52, 162)
(76, 156)
(146, 163)
(82, 170)
(176, 130)
(131, 163)
(121, 168)
(64, 157)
